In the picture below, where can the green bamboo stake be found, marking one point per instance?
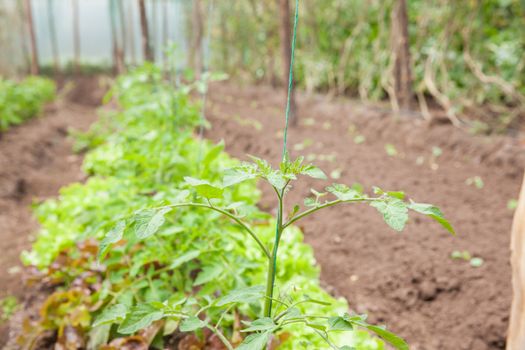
(290, 78)
(272, 268)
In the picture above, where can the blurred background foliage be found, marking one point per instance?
(466, 56)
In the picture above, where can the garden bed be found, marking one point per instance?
(408, 281)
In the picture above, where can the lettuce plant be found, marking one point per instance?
(20, 101)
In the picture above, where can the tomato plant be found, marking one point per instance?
(279, 311)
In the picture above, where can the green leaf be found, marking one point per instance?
(395, 212)
(346, 347)
(98, 336)
(244, 295)
(310, 202)
(261, 324)
(263, 166)
(432, 212)
(192, 254)
(111, 314)
(147, 223)
(292, 312)
(207, 274)
(191, 324)
(256, 341)
(204, 188)
(140, 317)
(235, 176)
(343, 192)
(338, 323)
(396, 194)
(394, 340)
(317, 326)
(295, 210)
(113, 236)
(314, 172)
(213, 153)
(276, 179)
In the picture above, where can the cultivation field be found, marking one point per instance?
(408, 280)
(262, 175)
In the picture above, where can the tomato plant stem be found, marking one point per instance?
(272, 265)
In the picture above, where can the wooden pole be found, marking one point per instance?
(118, 64)
(53, 35)
(516, 332)
(154, 36)
(32, 37)
(195, 53)
(123, 31)
(146, 47)
(23, 34)
(401, 52)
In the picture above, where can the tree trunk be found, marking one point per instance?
(401, 52)
(32, 37)
(153, 29)
(286, 53)
(195, 54)
(123, 31)
(516, 332)
(53, 36)
(146, 48)
(76, 36)
(23, 34)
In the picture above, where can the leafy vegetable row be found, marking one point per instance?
(20, 101)
(170, 276)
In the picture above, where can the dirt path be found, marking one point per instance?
(407, 281)
(36, 160)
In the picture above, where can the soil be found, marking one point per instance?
(407, 280)
(36, 160)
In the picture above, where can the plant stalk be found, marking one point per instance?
(272, 264)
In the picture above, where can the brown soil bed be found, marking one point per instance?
(36, 160)
(408, 280)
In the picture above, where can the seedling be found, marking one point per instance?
(466, 256)
(327, 125)
(512, 204)
(477, 181)
(359, 139)
(436, 152)
(391, 150)
(336, 174)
